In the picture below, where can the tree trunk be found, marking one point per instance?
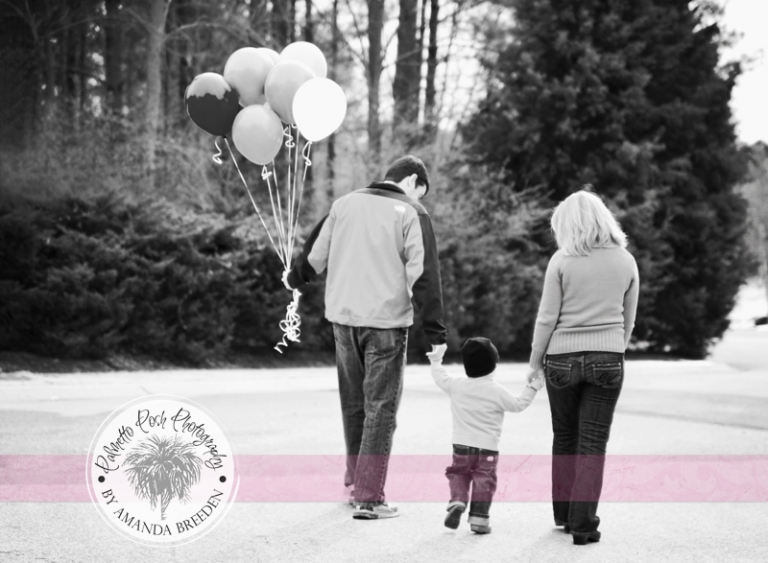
(20, 86)
(156, 31)
(50, 78)
(113, 54)
(422, 25)
(430, 119)
(82, 55)
(407, 73)
(309, 30)
(375, 24)
(173, 105)
(308, 36)
(261, 24)
(333, 76)
(280, 18)
(186, 13)
(65, 51)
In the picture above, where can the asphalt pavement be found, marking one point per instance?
(686, 479)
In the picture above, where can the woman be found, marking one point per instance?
(585, 319)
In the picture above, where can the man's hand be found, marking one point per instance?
(285, 281)
(437, 353)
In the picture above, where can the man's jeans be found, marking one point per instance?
(370, 362)
(476, 467)
(583, 389)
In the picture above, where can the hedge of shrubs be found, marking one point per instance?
(90, 278)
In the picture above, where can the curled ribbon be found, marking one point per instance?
(290, 325)
(289, 141)
(217, 156)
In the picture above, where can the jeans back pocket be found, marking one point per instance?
(558, 373)
(608, 376)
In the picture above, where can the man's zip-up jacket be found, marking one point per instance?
(380, 251)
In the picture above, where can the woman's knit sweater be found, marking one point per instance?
(588, 304)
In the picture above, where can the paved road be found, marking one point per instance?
(673, 408)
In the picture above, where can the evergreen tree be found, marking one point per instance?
(630, 96)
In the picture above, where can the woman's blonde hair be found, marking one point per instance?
(582, 222)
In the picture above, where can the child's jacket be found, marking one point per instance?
(478, 405)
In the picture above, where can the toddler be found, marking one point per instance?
(478, 405)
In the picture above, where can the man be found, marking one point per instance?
(380, 251)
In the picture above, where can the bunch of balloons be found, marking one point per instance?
(258, 102)
(260, 89)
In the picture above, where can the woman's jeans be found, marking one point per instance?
(583, 389)
(475, 467)
(370, 364)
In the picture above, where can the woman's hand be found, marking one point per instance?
(534, 373)
(536, 379)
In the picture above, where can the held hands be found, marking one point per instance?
(285, 281)
(437, 353)
(535, 378)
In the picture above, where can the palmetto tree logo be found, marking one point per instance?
(161, 469)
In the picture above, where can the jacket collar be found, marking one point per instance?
(386, 186)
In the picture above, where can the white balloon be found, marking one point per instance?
(307, 53)
(282, 84)
(273, 55)
(257, 133)
(246, 71)
(319, 108)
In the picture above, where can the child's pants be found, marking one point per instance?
(476, 467)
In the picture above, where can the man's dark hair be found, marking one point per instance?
(405, 166)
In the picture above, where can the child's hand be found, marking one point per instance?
(537, 383)
(536, 378)
(533, 374)
(437, 353)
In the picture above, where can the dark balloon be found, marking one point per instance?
(211, 103)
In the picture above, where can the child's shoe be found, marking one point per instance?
(455, 510)
(374, 511)
(480, 525)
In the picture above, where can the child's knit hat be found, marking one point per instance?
(480, 356)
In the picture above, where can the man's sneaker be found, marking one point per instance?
(375, 511)
(455, 510)
(479, 525)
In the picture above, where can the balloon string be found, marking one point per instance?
(217, 157)
(301, 193)
(289, 141)
(256, 207)
(290, 325)
(291, 192)
(305, 154)
(265, 174)
(281, 225)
